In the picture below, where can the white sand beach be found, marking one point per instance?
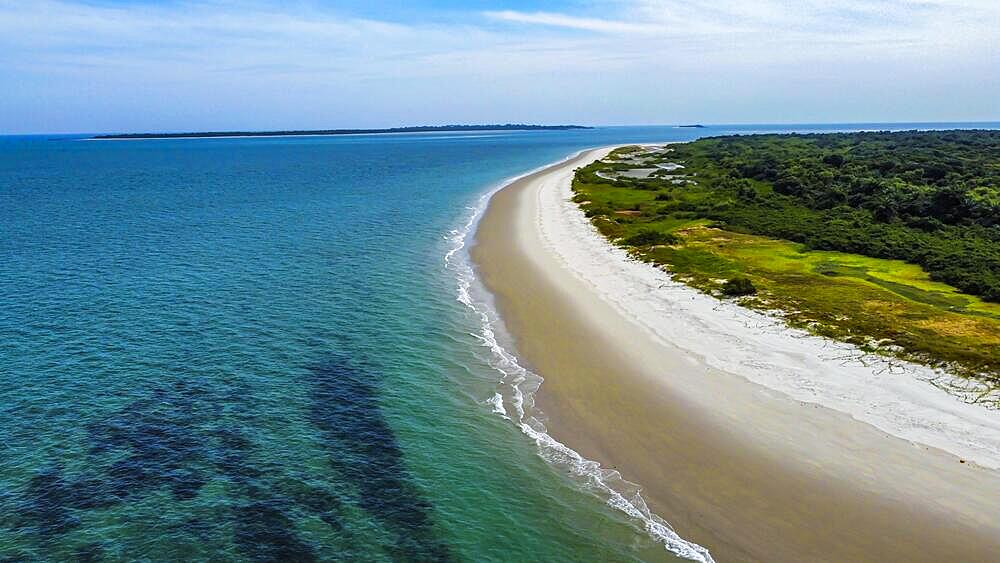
(753, 440)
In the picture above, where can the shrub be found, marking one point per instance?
(735, 287)
(596, 211)
(836, 160)
(650, 237)
(746, 192)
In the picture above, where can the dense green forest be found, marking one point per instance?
(929, 198)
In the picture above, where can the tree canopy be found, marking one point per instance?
(927, 197)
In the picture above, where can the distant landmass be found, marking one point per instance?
(696, 126)
(417, 129)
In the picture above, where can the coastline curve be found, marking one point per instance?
(742, 468)
(517, 385)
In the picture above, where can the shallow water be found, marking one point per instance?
(252, 349)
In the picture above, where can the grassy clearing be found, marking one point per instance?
(883, 306)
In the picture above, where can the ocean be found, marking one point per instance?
(276, 349)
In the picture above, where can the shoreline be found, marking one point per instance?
(738, 467)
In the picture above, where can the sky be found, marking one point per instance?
(196, 65)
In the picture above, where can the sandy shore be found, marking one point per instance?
(727, 426)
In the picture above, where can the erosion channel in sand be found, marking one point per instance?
(736, 463)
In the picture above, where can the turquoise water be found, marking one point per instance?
(252, 349)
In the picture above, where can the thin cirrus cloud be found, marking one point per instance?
(803, 23)
(100, 65)
(571, 22)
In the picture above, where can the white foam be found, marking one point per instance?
(516, 386)
(497, 401)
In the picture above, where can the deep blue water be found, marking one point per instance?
(251, 349)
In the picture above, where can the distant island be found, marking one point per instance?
(417, 129)
(695, 126)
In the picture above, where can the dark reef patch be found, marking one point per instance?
(264, 532)
(170, 439)
(152, 443)
(46, 501)
(160, 438)
(365, 452)
(178, 436)
(320, 502)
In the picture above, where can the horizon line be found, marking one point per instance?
(301, 132)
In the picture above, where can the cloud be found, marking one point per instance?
(611, 60)
(571, 22)
(51, 34)
(755, 24)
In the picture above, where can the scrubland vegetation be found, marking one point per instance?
(890, 241)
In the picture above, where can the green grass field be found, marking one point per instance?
(884, 306)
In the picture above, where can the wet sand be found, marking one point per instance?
(738, 468)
